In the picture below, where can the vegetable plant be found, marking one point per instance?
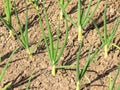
(107, 38)
(23, 33)
(82, 16)
(51, 46)
(8, 21)
(23, 38)
(5, 68)
(81, 72)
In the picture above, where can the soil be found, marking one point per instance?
(21, 66)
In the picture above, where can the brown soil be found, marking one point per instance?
(21, 66)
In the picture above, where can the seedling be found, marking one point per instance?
(8, 21)
(81, 72)
(24, 33)
(82, 16)
(53, 48)
(4, 70)
(107, 38)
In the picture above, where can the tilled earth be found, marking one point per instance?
(21, 66)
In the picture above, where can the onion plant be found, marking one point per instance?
(82, 16)
(81, 72)
(112, 82)
(5, 69)
(23, 33)
(51, 46)
(8, 12)
(23, 38)
(107, 38)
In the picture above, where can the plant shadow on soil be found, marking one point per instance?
(39, 49)
(21, 80)
(99, 76)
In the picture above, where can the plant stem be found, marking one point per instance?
(11, 33)
(61, 12)
(54, 70)
(29, 52)
(61, 15)
(78, 85)
(79, 21)
(106, 51)
(116, 46)
(80, 36)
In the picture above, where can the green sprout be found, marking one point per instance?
(81, 72)
(53, 48)
(24, 33)
(8, 12)
(107, 38)
(82, 16)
